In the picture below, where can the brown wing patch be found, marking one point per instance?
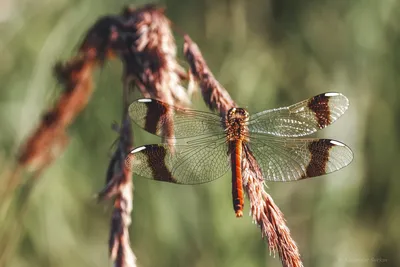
(158, 165)
(156, 111)
(320, 106)
(156, 159)
(319, 150)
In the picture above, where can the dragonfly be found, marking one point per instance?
(206, 145)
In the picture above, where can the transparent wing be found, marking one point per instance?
(168, 121)
(194, 163)
(303, 118)
(283, 159)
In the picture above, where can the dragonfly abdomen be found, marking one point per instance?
(237, 185)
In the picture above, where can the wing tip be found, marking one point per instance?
(330, 94)
(144, 100)
(336, 143)
(350, 153)
(338, 96)
(137, 149)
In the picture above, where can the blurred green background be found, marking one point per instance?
(267, 54)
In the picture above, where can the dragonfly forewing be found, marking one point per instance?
(303, 118)
(168, 121)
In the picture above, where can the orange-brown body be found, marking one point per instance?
(237, 136)
(237, 185)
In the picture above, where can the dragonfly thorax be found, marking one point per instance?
(236, 124)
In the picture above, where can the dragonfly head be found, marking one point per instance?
(237, 115)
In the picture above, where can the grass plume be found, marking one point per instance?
(142, 39)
